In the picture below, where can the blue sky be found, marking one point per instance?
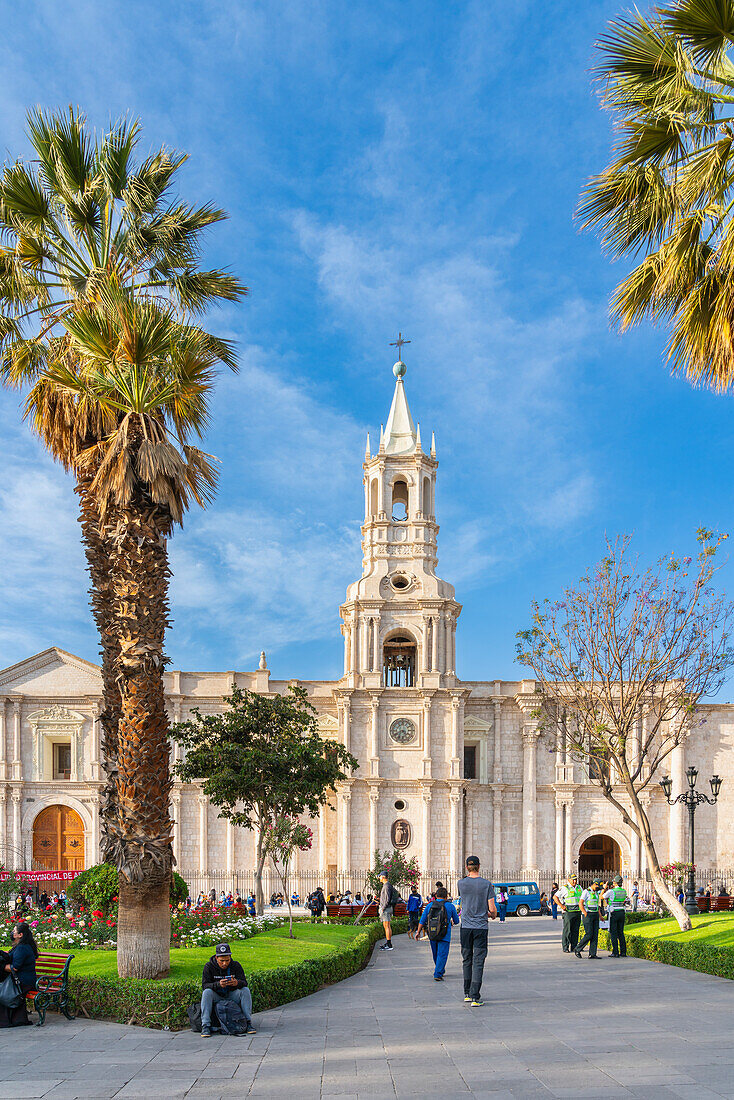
(387, 166)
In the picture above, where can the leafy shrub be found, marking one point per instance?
(163, 1003)
(96, 888)
(688, 954)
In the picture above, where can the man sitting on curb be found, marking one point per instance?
(224, 980)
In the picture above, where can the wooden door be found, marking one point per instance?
(58, 840)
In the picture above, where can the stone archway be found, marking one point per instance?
(600, 852)
(58, 839)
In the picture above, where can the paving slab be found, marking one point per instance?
(551, 1026)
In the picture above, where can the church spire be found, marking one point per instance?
(400, 435)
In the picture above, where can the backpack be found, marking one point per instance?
(437, 924)
(394, 896)
(194, 1014)
(232, 1019)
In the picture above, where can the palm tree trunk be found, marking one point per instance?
(100, 594)
(139, 837)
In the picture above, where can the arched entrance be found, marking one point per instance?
(58, 840)
(600, 853)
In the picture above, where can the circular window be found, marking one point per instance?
(400, 582)
(399, 804)
(402, 731)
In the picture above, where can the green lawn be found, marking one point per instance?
(714, 928)
(265, 951)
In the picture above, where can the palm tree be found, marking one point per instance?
(85, 234)
(668, 193)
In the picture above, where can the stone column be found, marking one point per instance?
(375, 738)
(426, 796)
(94, 840)
(346, 723)
(497, 830)
(354, 665)
(17, 795)
(3, 817)
(364, 648)
(424, 646)
(229, 827)
(345, 796)
(447, 642)
(495, 775)
(374, 794)
(456, 704)
(345, 632)
(16, 740)
(559, 836)
(176, 817)
(434, 643)
(568, 854)
(677, 846)
(426, 738)
(322, 839)
(454, 798)
(3, 753)
(375, 645)
(95, 761)
(529, 799)
(203, 833)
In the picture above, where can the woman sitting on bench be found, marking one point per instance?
(21, 959)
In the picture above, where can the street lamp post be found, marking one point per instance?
(692, 799)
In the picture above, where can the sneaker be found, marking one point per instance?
(477, 1004)
(439, 979)
(578, 955)
(467, 1000)
(250, 1030)
(388, 947)
(384, 946)
(206, 1033)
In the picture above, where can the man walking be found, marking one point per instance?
(477, 906)
(437, 920)
(387, 909)
(569, 899)
(590, 916)
(415, 904)
(616, 899)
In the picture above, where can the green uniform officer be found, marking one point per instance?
(569, 899)
(590, 915)
(616, 899)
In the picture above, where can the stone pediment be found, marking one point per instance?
(52, 672)
(328, 725)
(472, 724)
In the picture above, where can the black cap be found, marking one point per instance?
(222, 949)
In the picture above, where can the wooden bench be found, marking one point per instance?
(52, 987)
(719, 904)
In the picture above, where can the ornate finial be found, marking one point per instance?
(367, 448)
(399, 368)
(263, 661)
(399, 343)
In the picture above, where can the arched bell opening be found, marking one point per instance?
(398, 661)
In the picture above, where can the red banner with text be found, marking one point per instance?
(41, 876)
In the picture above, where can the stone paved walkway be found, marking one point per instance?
(552, 1026)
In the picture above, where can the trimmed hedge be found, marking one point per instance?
(688, 954)
(163, 1003)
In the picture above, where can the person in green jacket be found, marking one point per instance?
(568, 898)
(616, 899)
(590, 901)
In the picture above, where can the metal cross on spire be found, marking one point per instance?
(399, 343)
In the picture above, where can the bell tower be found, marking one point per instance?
(399, 619)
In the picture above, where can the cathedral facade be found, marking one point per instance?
(446, 766)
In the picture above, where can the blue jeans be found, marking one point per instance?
(209, 998)
(502, 910)
(554, 910)
(440, 952)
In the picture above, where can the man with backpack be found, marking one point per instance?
(224, 980)
(389, 898)
(437, 920)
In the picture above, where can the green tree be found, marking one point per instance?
(100, 280)
(621, 662)
(283, 837)
(668, 191)
(261, 759)
(399, 870)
